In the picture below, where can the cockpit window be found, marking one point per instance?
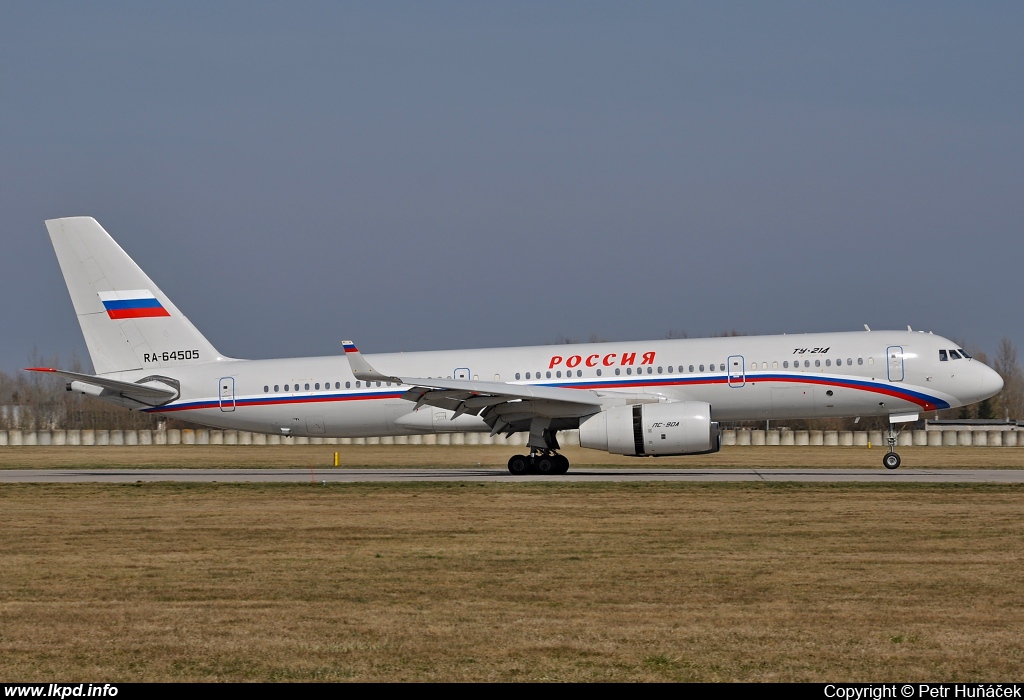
(954, 354)
(943, 357)
(964, 353)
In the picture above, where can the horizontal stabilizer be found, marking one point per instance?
(153, 395)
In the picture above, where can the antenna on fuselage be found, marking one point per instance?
(867, 328)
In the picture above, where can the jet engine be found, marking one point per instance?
(681, 428)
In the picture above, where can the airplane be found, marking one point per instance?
(648, 398)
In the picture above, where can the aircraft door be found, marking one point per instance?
(894, 362)
(737, 376)
(227, 394)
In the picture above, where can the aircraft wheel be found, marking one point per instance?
(519, 465)
(547, 465)
(891, 460)
(563, 464)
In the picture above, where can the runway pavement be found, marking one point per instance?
(320, 476)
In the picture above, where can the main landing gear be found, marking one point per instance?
(891, 459)
(538, 462)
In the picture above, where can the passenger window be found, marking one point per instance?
(517, 375)
(277, 387)
(599, 373)
(617, 371)
(317, 385)
(659, 369)
(358, 385)
(691, 368)
(286, 387)
(860, 360)
(307, 387)
(942, 356)
(817, 363)
(378, 383)
(266, 389)
(348, 385)
(579, 373)
(549, 375)
(558, 374)
(871, 360)
(629, 370)
(702, 368)
(807, 363)
(670, 369)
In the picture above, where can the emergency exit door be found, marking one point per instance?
(227, 394)
(894, 362)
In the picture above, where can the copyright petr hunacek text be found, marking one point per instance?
(922, 690)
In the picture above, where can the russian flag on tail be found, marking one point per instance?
(132, 303)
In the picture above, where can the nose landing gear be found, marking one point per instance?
(891, 459)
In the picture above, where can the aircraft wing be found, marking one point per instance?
(503, 406)
(152, 395)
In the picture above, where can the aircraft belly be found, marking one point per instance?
(792, 401)
(749, 402)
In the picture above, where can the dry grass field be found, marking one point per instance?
(511, 582)
(424, 456)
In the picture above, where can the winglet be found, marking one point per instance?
(361, 369)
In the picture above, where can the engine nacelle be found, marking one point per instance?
(682, 428)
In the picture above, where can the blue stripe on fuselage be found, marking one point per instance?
(927, 402)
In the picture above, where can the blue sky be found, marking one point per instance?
(436, 175)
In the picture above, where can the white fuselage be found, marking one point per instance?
(742, 378)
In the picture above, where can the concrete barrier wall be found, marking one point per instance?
(739, 437)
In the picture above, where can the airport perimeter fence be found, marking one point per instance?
(741, 437)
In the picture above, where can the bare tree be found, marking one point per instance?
(1010, 403)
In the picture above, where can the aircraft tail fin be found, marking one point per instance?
(128, 323)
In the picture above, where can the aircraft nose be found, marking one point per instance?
(991, 382)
